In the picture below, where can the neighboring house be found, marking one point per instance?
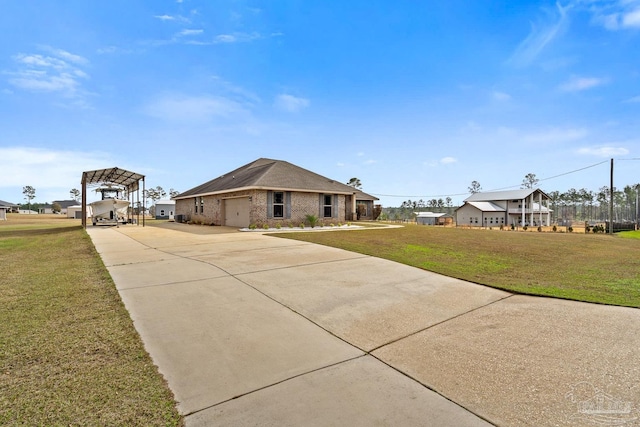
(64, 205)
(272, 192)
(528, 206)
(6, 207)
(433, 218)
(165, 209)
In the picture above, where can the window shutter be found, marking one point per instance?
(269, 204)
(321, 208)
(334, 210)
(287, 204)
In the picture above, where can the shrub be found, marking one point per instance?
(302, 225)
(266, 226)
(539, 228)
(513, 227)
(252, 227)
(570, 229)
(555, 228)
(525, 228)
(312, 220)
(501, 227)
(278, 226)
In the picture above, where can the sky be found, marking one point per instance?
(417, 99)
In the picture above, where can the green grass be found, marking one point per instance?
(585, 267)
(630, 234)
(69, 354)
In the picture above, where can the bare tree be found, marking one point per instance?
(75, 194)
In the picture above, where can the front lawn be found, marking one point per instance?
(69, 354)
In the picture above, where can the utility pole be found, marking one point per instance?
(611, 202)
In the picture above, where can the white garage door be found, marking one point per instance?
(236, 212)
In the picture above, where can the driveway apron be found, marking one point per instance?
(250, 329)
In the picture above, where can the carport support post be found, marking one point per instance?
(84, 200)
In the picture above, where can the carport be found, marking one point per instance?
(129, 180)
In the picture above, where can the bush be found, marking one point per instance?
(252, 227)
(312, 220)
(539, 229)
(302, 225)
(525, 228)
(570, 229)
(555, 228)
(513, 227)
(266, 226)
(278, 226)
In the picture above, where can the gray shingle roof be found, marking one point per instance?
(7, 204)
(489, 196)
(269, 174)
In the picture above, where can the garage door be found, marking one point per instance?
(236, 212)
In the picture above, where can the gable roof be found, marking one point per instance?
(269, 174)
(488, 196)
(486, 206)
(65, 203)
(7, 204)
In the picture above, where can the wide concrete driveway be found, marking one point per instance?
(256, 330)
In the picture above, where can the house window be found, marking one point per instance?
(161, 212)
(201, 204)
(278, 204)
(328, 205)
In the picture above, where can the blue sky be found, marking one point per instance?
(416, 99)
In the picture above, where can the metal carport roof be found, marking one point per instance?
(129, 180)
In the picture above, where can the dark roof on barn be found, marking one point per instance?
(65, 203)
(269, 174)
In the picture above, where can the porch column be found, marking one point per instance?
(531, 215)
(354, 214)
(540, 206)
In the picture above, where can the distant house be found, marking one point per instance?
(433, 218)
(165, 209)
(64, 205)
(6, 207)
(272, 192)
(529, 206)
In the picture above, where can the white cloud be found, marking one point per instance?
(194, 108)
(448, 160)
(237, 37)
(165, 17)
(290, 103)
(576, 83)
(59, 72)
(501, 96)
(634, 99)
(55, 169)
(631, 19)
(603, 151)
(540, 37)
(190, 32)
(370, 162)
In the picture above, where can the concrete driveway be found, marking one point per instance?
(250, 329)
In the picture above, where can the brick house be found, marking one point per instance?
(272, 192)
